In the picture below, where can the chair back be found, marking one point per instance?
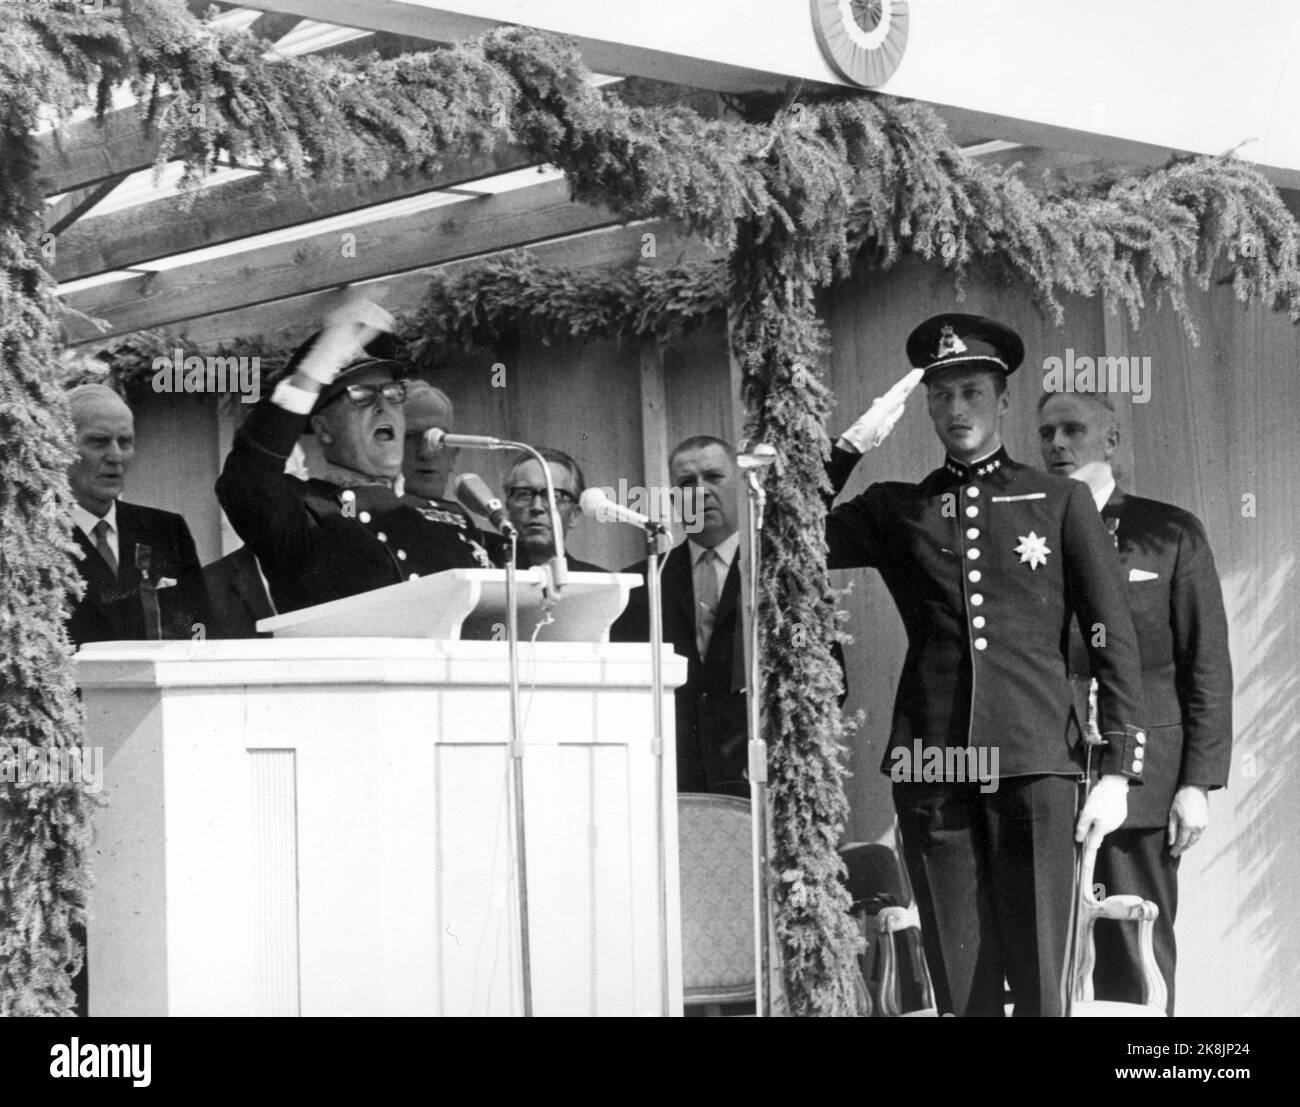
(1122, 909)
(717, 882)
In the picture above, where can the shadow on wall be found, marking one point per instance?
(1261, 857)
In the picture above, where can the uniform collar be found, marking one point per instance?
(978, 470)
(344, 477)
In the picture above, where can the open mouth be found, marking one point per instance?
(385, 433)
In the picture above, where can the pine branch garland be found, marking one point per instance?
(795, 203)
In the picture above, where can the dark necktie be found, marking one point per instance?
(101, 544)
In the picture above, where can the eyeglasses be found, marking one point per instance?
(523, 496)
(363, 395)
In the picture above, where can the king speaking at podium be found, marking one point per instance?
(350, 529)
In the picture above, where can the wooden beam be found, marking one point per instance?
(239, 209)
(328, 260)
(283, 323)
(61, 215)
(273, 26)
(1103, 95)
(88, 152)
(654, 421)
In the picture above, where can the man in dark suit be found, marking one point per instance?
(350, 528)
(238, 595)
(987, 561)
(1177, 608)
(139, 564)
(701, 589)
(525, 490)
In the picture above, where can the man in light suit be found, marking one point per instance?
(701, 587)
(1177, 608)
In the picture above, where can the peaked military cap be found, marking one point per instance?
(380, 352)
(953, 339)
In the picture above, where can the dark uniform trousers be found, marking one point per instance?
(987, 565)
(998, 868)
(1176, 604)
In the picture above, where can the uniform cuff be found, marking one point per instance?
(292, 398)
(1125, 753)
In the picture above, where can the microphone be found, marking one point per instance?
(435, 438)
(474, 494)
(758, 456)
(594, 502)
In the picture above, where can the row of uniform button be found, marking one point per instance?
(974, 575)
(364, 517)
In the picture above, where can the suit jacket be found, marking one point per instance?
(987, 566)
(238, 596)
(112, 609)
(319, 541)
(1182, 632)
(712, 732)
(574, 565)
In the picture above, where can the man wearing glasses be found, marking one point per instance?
(525, 489)
(349, 529)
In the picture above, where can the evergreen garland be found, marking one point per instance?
(795, 203)
(44, 825)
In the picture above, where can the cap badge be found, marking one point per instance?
(949, 343)
(1033, 550)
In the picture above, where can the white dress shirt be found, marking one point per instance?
(87, 522)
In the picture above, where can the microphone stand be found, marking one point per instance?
(517, 765)
(657, 542)
(757, 756)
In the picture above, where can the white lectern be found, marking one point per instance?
(320, 826)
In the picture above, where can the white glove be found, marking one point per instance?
(873, 427)
(347, 330)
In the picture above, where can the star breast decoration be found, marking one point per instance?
(1033, 550)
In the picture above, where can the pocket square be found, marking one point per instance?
(1141, 574)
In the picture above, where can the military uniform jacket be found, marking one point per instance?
(317, 541)
(111, 609)
(987, 566)
(1182, 632)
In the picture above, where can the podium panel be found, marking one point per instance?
(324, 827)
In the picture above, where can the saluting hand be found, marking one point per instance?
(348, 327)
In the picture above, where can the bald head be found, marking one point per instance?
(427, 471)
(104, 432)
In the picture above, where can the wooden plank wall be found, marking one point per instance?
(1220, 424)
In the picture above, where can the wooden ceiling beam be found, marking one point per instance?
(283, 323)
(338, 257)
(245, 207)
